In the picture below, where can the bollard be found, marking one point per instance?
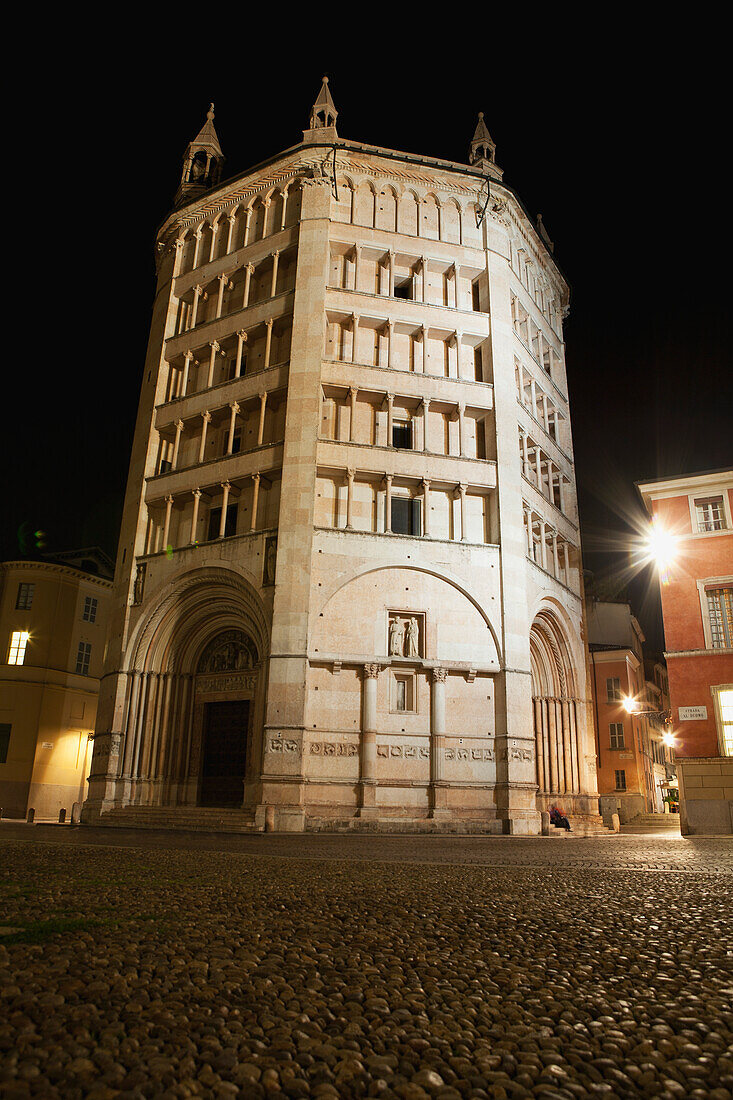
(31, 816)
(615, 823)
(62, 817)
(76, 813)
(545, 823)
(269, 818)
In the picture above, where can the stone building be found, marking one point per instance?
(635, 768)
(53, 619)
(348, 581)
(692, 521)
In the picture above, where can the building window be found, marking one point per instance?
(724, 699)
(720, 614)
(620, 780)
(403, 289)
(402, 434)
(710, 514)
(4, 741)
(406, 517)
(613, 689)
(82, 658)
(24, 599)
(230, 527)
(18, 642)
(617, 735)
(89, 614)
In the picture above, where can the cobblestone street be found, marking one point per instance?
(165, 965)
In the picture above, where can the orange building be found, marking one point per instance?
(693, 540)
(634, 765)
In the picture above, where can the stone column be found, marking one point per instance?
(390, 410)
(368, 779)
(552, 737)
(167, 522)
(566, 744)
(545, 417)
(275, 260)
(533, 391)
(539, 743)
(249, 272)
(462, 492)
(388, 504)
(354, 331)
(543, 544)
(261, 424)
(232, 425)
(352, 399)
(186, 367)
(390, 342)
(195, 516)
(131, 723)
(357, 264)
(206, 419)
(561, 764)
(266, 209)
(426, 507)
(224, 284)
(525, 455)
(520, 373)
(212, 360)
(391, 274)
(241, 341)
(555, 562)
(214, 235)
(530, 546)
(198, 235)
(226, 486)
(268, 343)
(437, 798)
(424, 280)
(462, 431)
(550, 477)
(425, 413)
(198, 291)
(284, 215)
(349, 499)
(176, 444)
(574, 747)
(247, 222)
(459, 358)
(231, 219)
(255, 500)
(561, 490)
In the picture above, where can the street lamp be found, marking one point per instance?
(661, 547)
(641, 710)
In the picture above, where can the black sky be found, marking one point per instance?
(620, 143)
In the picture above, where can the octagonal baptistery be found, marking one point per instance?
(348, 589)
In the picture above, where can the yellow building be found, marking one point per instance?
(53, 619)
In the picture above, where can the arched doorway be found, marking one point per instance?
(556, 713)
(195, 695)
(223, 711)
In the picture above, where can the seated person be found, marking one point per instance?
(558, 819)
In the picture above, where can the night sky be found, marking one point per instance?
(620, 146)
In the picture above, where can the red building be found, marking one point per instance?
(692, 529)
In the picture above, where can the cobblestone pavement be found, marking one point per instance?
(159, 966)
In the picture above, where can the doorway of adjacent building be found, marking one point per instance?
(225, 752)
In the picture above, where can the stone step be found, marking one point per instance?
(194, 818)
(657, 821)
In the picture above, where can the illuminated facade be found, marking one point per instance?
(693, 515)
(53, 619)
(348, 585)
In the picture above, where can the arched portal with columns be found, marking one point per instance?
(195, 695)
(557, 714)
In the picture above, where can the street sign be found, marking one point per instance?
(693, 714)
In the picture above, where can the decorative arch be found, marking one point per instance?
(445, 577)
(204, 640)
(556, 707)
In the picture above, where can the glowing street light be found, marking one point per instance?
(661, 547)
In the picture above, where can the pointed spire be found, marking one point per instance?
(207, 134)
(323, 114)
(483, 148)
(202, 162)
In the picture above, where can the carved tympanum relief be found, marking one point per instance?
(229, 651)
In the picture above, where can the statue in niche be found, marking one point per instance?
(396, 637)
(268, 573)
(139, 585)
(412, 639)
